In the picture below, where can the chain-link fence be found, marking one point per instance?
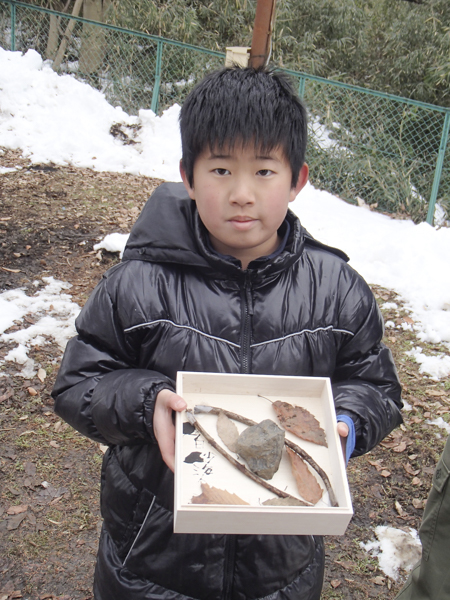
(386, 151)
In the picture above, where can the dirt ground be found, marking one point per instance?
(50, 218)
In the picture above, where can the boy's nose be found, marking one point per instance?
(242, 193)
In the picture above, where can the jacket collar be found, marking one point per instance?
(169, 230)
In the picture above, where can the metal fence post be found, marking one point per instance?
(13, 27)
(155, 95)
(438, 171)
(301, 87)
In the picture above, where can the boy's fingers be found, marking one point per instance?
(343, 431)
(163, 427)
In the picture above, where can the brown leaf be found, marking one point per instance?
(14, 522)
(378, 580)
(16, 510)
(399, 509)
(436, 393)
(385, 473)
(41, 374)
(307, 484)
(376, 464)
(400, 448)
(212, 495)
(30, 468)
(410, 469)
(417, 503)
(335, 583)
(300, 422)
(227, 430)
(283, 502)
(32, 391)
(416, 481)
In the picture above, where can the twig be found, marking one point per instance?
(302, 453)
(242, 468)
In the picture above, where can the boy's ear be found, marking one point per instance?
(301, 182)
(190, 190)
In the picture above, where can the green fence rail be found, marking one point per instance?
(365, 146)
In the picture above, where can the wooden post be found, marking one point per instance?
(262, 33)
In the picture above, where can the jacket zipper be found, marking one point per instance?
(228, 570)
(246, 325)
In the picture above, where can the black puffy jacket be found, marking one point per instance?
(174, 304)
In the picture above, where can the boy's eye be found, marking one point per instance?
(221, 171)
(265, 172)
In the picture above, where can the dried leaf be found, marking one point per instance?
(335, 583)
(30, 468)
(417, 503)
(212, 495)
(227, 430)
(300, 422)
(378, 580)
(416, 481)
(16, 510)
(283, 502)
(436, 393)
(400, 448)
(14, 522)
(41, 375)
(377, 464)
(399, 509)
(32, 391)
(307, 484)
(385, 473)
(410, 469)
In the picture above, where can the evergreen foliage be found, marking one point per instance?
(395, 46)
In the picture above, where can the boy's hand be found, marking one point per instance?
(163, 427)
(342, 430)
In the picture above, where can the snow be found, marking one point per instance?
(113, 242)
(395, 549)
(55, 118)
(54, 314)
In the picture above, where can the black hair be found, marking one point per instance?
(243, 105)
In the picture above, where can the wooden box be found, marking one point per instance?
(197, 463)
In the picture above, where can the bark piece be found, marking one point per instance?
(213, 495)
(300, 422)
(261, 447)
(307, 484)
(228, 432)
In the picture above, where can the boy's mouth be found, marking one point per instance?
(242, 223)
(242, 219)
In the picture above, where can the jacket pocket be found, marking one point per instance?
(123, 506)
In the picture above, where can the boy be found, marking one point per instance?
(218, 276)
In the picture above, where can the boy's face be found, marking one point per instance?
(242, 198)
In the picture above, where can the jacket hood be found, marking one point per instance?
(169, 230)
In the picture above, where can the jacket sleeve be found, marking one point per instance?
(99, 390)
(365, 382)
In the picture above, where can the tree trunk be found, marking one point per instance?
(65, 40)
(53, 33)
(93, 46)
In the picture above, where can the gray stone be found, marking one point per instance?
(261, 447)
